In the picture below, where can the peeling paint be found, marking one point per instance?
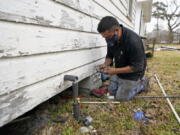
(60, 85)
(39, 36)
(22, 53)
(67, 2)
(80, 28)
(1, 51)
(67, 20)
(42, 21)
(22, 78)
(23, 19)
(8, 55)
(16, 18)
(10, 105)
(10, 49)
(76, 43)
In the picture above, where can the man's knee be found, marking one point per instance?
(126, 91)
(122, 94)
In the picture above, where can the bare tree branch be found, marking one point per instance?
(170, 12)
(175, 22)
(176, 26)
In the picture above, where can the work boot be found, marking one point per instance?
(143, 85)
(99, 92)
(146, 84)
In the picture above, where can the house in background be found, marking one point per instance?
(43, 40)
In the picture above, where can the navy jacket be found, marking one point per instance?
(129, 51)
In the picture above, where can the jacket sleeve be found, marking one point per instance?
(109, 53)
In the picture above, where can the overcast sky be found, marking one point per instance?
(162, 24)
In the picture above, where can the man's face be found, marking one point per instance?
(111, 37)
(107, 34)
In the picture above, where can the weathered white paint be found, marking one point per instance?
(94, 8)
(84, 6)
(119, 6)
(43, 40)
(44, 12)
(27, 98)
(115, 12)
(124, 4)
(134, 9)
(19, 72)
(138, 18)
(99, 11)
(20, 40)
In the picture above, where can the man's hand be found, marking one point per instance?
(110, 71)
(102, 66)
(106, 63)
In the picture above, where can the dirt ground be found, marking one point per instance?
(112, 119)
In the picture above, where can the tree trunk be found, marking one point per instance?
(171, 36)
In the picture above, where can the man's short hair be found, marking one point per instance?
(107, 23)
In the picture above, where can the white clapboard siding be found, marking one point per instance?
(134, 9)
(92, 9)
(100, 11)
(43, 40)
(84, 6)
(114, 11)
(124, 4)
(119, 6)
(88, 7)
(44, 12)
(20, 40)
(18, 102)
(19, 72)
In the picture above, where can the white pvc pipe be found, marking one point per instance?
(96, 102)
(169, 102)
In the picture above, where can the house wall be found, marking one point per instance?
(139, 20)
(143, 27)
(43, 40)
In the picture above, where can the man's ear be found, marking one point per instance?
(116, 30)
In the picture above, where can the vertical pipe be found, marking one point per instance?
(76, 106)
(76, 111)
(75, 89)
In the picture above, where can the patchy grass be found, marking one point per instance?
(118, 119)
(164, 45)
(172, 45)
